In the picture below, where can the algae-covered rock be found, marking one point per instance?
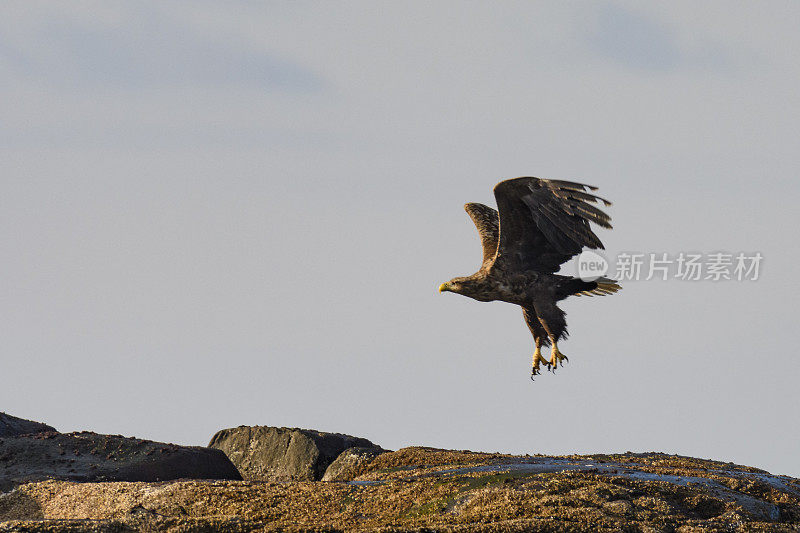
(422, 489)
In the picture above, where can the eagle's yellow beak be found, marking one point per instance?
(444, 287)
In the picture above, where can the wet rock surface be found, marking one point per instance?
(423, 489)
(87, 456)
(264, 453)
(11, 426)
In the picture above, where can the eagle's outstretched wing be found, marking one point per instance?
(487, 221)
(543, 223)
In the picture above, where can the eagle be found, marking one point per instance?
(541, 224)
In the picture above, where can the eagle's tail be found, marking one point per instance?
(598, 287)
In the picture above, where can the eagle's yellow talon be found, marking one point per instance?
(557, 357)
(537, 356)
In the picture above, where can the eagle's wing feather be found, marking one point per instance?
(487, 221)
(543, 223)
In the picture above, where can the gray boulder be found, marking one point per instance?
(349, 463)
(264, 453)
(87, 456)
(11, 426)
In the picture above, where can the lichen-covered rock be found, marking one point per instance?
(11, 426)
(87, 456)
(264, 453)
(350, 463)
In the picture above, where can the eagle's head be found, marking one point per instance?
(466, 286)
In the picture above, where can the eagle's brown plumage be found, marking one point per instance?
(541, 224)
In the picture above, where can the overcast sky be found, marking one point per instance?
(225, 213)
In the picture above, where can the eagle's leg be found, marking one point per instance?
(539, 338)
(537, 356)
(557, 357)
(555, 354)
(553, 322)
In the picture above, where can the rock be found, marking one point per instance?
(87, 456)
(423, 489)
(11, 426)
(348, 464)
(264, 453)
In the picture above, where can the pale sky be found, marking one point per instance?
(225, 213)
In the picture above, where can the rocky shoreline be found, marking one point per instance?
(260, 478)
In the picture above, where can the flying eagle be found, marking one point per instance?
(542, 224)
